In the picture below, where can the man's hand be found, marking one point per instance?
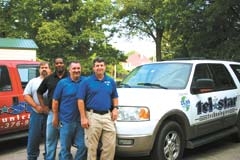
(84, 123)
(42, 109)
(55, 122)
(45, 109)
(114, 114)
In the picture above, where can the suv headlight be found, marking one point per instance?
(133, 113)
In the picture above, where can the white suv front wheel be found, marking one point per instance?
(170, 142)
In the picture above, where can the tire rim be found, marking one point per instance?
(172, 146)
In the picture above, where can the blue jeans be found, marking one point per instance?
(72, 133)
(36, 133)
(52, 135)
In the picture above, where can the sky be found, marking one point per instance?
(145, 47)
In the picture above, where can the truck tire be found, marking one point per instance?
(170, 142)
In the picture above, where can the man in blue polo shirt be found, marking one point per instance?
(97, 103)
(66, 115)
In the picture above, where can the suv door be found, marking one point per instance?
(225, 86)
(213, 108)
(8, 98)
(232, 117)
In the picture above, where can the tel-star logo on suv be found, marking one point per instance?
(165, 107)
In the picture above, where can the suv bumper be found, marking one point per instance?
(133, 145)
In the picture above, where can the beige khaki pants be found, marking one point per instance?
(101, 126)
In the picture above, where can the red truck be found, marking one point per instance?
(14, 111)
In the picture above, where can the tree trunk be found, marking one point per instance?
(158, 42)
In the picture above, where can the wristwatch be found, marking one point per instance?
(115, 107)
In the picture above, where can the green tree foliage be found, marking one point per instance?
(76, 29)
(207, 28)
(53, 38)
(185, 28)
(144, 18)
(19, 17)
(72, 29)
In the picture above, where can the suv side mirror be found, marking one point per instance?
(202, 86)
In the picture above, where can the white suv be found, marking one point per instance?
(167, 106)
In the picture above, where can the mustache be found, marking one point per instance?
(44, 73)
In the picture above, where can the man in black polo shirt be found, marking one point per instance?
(49, 84)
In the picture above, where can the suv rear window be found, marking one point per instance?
(222, 78)
(27, 72)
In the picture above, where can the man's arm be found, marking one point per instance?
(55, 105)
(115, 102)
(40, 98)
(41, 90)
(28, 98)
(81, 108)
(115, 109)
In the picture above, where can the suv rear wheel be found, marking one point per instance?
(170, 142)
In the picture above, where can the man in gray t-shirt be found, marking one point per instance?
(38, 116)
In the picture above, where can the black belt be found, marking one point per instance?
(97, 112)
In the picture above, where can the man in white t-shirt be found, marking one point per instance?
(38, 116)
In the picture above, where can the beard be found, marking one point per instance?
(44, 74)
(60, 70)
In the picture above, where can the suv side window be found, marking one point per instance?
(236, 70)
(5, 83)
(217, 72)
(201, 72)
(222, 78)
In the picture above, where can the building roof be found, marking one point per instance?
(137, 59)
(16, 43)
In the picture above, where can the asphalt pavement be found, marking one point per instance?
(225, 149)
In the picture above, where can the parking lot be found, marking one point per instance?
(225, 149)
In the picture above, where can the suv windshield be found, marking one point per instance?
(159, 75)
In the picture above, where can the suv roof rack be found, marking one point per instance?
(189, 58)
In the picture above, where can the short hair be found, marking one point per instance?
(58, 58)
(43, 63)
(70, 63)
(99, 59)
